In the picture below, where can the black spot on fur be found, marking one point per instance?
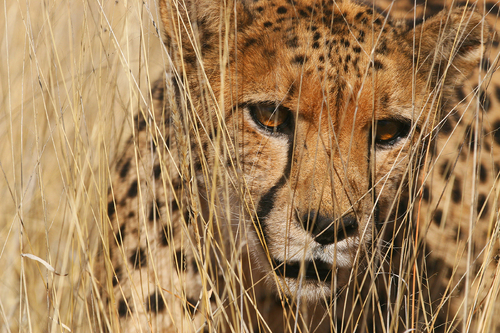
(138, 258)
(166, 235)
(120, 234)
(303, 13)
(459, 91)
(321, 58)
(482, 204)
(456, 193)
(483, 173)
(496, 132)
(426, 195)
(260, 9)
(345, 42)
(497, 92)
(249, 42)
(154, 212)
(315, 45)
(132, 191)
(361, 37)
(444, 170)
(485, 64)
(111, 208)
(299, 59)
(485, 101)
(197, 165)
(122, 308)
(378, 65)
(157, 171)
(292, 42)
(191, 305)
(124, 169)
(194, 266)
(179, 261)
(141, 123)
(281, 10)
(268, 24)
(356, 49)
(382, 47)
(174, 206)
(446, 126)
(437, 217)
(116, 278)
(188, 216)
(155, 303)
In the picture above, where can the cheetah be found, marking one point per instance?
(283, 177)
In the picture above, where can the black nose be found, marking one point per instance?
(326, 230)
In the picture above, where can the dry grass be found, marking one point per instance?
(71, 77)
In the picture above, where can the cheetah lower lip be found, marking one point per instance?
(317, 270)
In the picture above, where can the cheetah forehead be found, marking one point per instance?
(343, 35)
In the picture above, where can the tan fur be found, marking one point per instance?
(207, 206)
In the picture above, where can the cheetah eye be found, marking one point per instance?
(269, 116)
(388, 132)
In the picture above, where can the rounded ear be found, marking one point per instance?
(450, 45)
(196, 27)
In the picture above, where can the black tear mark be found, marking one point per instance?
(266, 203)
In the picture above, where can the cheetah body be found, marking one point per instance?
(284, 148)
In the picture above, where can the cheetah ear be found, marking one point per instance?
(196, 26)
(450, 45)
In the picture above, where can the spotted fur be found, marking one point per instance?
(220, 222)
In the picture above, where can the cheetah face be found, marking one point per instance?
(323, 107)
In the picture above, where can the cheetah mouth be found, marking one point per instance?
(317, 270)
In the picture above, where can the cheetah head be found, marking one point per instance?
(310, 116)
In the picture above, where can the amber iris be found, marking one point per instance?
(387, 131)
(270, 116)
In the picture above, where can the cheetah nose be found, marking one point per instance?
(326, 230)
